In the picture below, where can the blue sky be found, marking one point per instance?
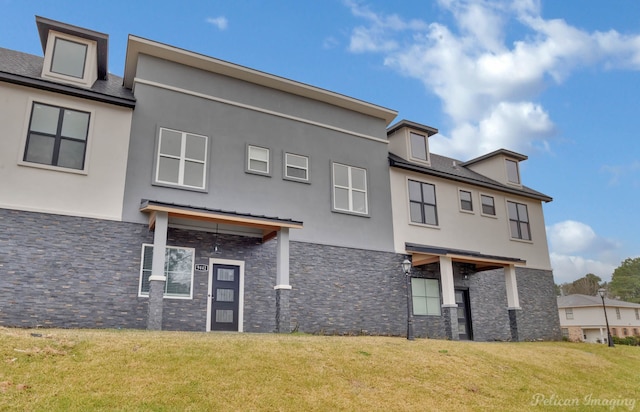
(558, 81)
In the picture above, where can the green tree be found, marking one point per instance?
(587, 285)
(625, 282)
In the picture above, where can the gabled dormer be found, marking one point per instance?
(72, 55)
(501, 165)
(410, 141)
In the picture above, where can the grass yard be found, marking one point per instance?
(86, 370)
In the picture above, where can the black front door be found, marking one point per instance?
(224, 298)
(464, 315)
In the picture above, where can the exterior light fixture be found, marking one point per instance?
(601, 292)
(406, 268)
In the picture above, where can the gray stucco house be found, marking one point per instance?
(196, 194)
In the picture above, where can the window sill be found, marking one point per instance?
(84, 172)
(172, 186)
(347, 212)
(425, 225)
(521, 240)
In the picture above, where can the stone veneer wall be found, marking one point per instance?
(70, 272)
(539, 318)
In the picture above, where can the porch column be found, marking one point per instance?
(283, 289)
(157, 279)
(449, 305)
(513, 302)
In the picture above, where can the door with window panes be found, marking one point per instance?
(464, 315)
(225, 298)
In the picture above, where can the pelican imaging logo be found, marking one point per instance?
(540, 399)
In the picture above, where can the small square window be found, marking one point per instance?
(258, 160)
(513, 175)
(296, 167)
(466, 203)
(488, 205)
(568, 313)
(70, 59)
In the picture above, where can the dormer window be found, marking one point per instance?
(70, 59)
(513, 175)
(419, 147)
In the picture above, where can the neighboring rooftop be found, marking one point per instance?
(577, 300)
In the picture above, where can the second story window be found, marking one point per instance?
(182, 159)
(296, 167)
(419, 147)
(465, 201)
(513, 175)
(568, 313)
(488, 205)
(57, 136)
(350, 189)
(519, 221)
(618, 313)
(258, 160)
(422, 203)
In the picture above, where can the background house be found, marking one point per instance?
(582, 318)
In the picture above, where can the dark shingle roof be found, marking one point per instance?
(26, 69)
(449, 168)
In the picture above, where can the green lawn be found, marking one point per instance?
(83, 370)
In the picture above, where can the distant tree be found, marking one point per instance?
(587, 285)
(625, 282)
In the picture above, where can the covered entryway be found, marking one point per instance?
(225, 293)
(456, 309)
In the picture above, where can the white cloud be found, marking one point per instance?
(570, 241)
(487, 87)
(220, 22)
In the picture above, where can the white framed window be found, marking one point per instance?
(57, 136)
(568, 313)
(70, 59)
(519, 221)
(513, 174)
(422, 203)
(181, 159)
(618, 313)
(637, 314)
(425, 294)
(418, 147)
(296, 167)
(178, 269)
(258, 160)
(488, 205)
(350, 189)
(466, 202)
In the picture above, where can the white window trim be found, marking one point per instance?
(64, 105)
(182, 160)
(286, 165)
(495, 209)
(350, 190)
(473, 209)
(406, 189)
(90, 62)
(248, 168)
(142, 294)
(409, 151)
